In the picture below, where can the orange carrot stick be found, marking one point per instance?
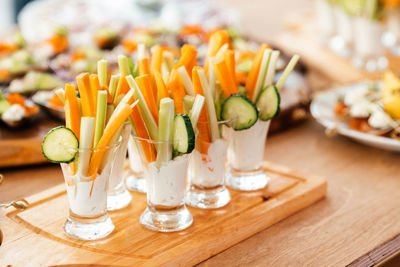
(156, 59)
(229, 57)
(223, 74)
(203, 126)
(122, 88)
(217, 39)
(72, 114)
(144, 83)
(177, 91)
(255, 69)
(162, 90)
(109, 132)
(83, 81)
(143, 66)
(189, 54)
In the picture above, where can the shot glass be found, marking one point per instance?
(368, 46)
(118, 197)
(245, 157)
(206, 172)
(166, 186)
(341, 44)
(87, 195)
(135, 180)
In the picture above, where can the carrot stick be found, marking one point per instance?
(72, 114)
(112, 127)
(143, 66)
(83, 81)
(144, 83)
(227, 83)
(157, 57)
(217, 39)
(177, 91)
(122, 88)
(162, 90)
(203, 126)
(255, 69)
(229, 57)
(189, 53)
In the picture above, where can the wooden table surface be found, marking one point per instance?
(360, 213)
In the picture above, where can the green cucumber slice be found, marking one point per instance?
(240, 110)
(60, 145)
(268, 103)
(184, 137)
(4, 105)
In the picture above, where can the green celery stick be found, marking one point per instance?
(185, 79)
(123, 65)
(102, 67)
(110, 110)
(212, 115)
(168, 61)
(196, 110)
(141, 51)
(188, 101)
(85, 143)
(61, 94)
(271, 68)
(262, 73)
(290, 66)
(143, 108)
(100, 116)
(212, 79)
(113, 85)
(165, 130)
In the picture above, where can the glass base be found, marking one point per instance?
(166, 220)
(119, 200)
(371, 64)
(134, 183)
(88, 229)
(246, 181)
(204, 198)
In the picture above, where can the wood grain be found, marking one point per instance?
(131, 244)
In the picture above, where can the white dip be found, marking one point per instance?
(166, 186)
(379, 119)
(208, 170)
(13, 113)
(246, 148)
(367, 37)
(80, 201)
(360, 109)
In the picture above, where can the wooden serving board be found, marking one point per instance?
(23, 146)
(35, 237)
(301, 36)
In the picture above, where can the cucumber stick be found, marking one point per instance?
(86, 138)
(165, 130)
(184, 137)
(240, 110)
(212, 116)
(268, 103)
(60, 145)
(262, 73)
(196, 110)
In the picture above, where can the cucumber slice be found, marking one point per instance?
(268, 103)
(60, 145)
(240, 110)
(184, 137)
(4, 105)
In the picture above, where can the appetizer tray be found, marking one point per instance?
(35, 235)
(300, 36)
(23, 147)
(322, 109)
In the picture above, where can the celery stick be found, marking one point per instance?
(143, 108)
(123, 65)
(141, 51)
(221, 51)
(290, 66)
(165, 130)
(271, 68)
(61, 94)
(100, 116)
(166, 77)
(169, 60)
(102, 66)
(212, 116)
(185, 79)
(86, 138)
(212, 78)
(196, 110)
(262, 73)
(188, 101)
(110, 110)
(113, 85)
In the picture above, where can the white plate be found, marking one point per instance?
(322, 109)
